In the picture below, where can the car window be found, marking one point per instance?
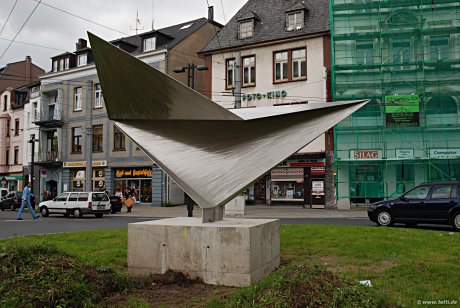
(62, 197)
(417, 193)
(83, 197)
(100, 197)
(73, 197)
(442, 192)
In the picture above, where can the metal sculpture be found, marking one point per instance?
(211, 152)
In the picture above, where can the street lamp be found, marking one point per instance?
(32, 161)
(190, 72)
(190, 83)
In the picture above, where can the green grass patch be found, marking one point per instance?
(403, 264)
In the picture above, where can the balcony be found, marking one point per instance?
(48, 119)
(50, 158)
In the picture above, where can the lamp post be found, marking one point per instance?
(32, 161)
(190, 72)
(190, 83)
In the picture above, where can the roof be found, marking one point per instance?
(177, 33)
(272, 23)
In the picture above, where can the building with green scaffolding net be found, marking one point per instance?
(403, 55)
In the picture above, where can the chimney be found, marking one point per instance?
(28, 69)
(81, 44)
(211, 13)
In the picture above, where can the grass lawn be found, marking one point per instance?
(403, 264)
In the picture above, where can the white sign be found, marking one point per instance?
(317, 185)
(444, 153)
(405, 153)
(65, 187)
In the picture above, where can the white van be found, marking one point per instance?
(77, 204)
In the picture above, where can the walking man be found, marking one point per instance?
(26, 202)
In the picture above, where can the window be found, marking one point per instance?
(73, 197)
(7, 157)
(16, 127)
(97, 138)
(401, 52)
(118, 139)
(418, 193)
(281, 66)
(294, 21)
(61, 64)
(246, 29)
(66, 65)
(98, 96)
(76, 139)
(8, 124)
(35, 111)
(82, 60)
(62, 197)
(439, 47)
(444, 192)
(149, 43)
(83, 197)
(5, 102)
(77, 104)
(290, 65)
(55, 65)
(231, 71)
(16, 155)
(249, 71)
(299, 64)
(364, 52)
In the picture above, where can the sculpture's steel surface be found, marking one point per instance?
(211, 152)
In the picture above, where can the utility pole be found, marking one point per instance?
(89, 137)
(32, 162)
(238, 80)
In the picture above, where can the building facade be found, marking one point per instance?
(75, 130)
(405, 57)
(284, 50)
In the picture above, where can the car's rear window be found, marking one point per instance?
(444, 192)
(100, 197)
(83, 197)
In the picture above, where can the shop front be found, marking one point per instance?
(136, 179)
(12, 182)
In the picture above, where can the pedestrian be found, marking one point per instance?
(26, 194)
(118, 193)
(46, 195)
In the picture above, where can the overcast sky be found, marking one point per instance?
(58, 32)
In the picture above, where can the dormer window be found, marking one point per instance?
(82, 59)
(246, 29)
(295, 21)
(149, 43)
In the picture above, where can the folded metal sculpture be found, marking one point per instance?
(212, 153)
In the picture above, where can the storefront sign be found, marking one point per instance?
(402, 110)
(133, 173)
(365, 154)
(404, 153)
(444, 153)
(12, 178)
(318, 170)
(287, 174)
(320, 162)
(269, 95)
(82, 164)
(317, 187)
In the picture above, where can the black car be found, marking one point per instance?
(13, 201)
(430, 203)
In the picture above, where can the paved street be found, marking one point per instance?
(10, 227)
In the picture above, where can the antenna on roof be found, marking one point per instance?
(153, 19)
(138, 21)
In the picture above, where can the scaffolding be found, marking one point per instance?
(403, 55)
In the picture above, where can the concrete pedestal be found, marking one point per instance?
(231, 252)
(235, 207)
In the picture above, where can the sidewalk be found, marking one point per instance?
(252, 211)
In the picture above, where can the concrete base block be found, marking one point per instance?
(231, 252)
(235, 207)
(343, 204)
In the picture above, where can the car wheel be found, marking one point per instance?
(77, 213)
(384, 218)
(99, 215)
(456, 221)
(44, 211)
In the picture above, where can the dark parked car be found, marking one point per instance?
(13, 201)
(115, 204)
(429, 203)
